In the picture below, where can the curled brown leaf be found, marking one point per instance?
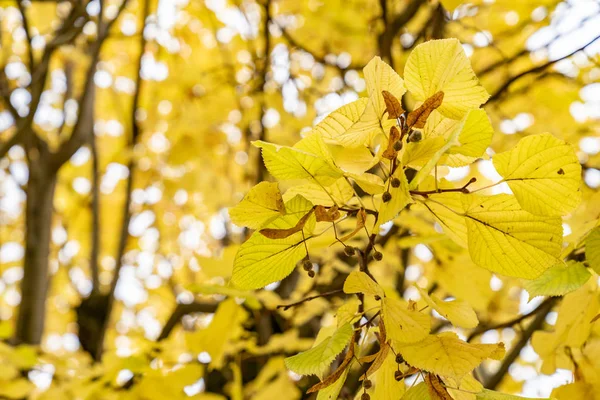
(418, 117)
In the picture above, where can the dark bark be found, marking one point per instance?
(34, 286)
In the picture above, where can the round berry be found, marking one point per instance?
(415, 136)
(311, 273)
(387, 196)
(307, 265)
(399, 358)
(395, 182)
(367, 384)
(398, 145)
(349, 250)
(365, 396)
(398, 375)
(377, 255)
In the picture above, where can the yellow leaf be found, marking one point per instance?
(337, 194)
(441, 65)
(508, 240)
(359, 282)
(16, 388)
(379, 77)
(558, 280)
(458, 312)
(544, 174)
(404, 325)
(335, 126)
(386, 386)
(370, 183)
(226, 326)
(448, 356)
(492, 395)
(261, 205)
(475, 134)
(447, 208)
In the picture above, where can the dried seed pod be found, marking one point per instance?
(415, 136)
(398, 145)
(349, 251)
(307, 265)
(395, 182)
(377, 256)
(387, 196)
(311, 273)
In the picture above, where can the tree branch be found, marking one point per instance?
(82, 128)
(493, 381)
(135, 134)
(181, 310)
(504, 88)
(481, 329)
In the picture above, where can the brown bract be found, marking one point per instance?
(392, 105)
(273, 233)
(418, 117)
(390, 153)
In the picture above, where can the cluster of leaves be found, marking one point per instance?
(371, 161)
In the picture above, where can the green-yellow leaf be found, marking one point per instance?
(558, 280)
(458, 312)
(544, 174)
(442, 65)
(315, 360)
(286, 163)
(448, 356)
(402, 324)
(261, 205)
(359, 282)
(592, 249)
(261, 261)
(506, 239)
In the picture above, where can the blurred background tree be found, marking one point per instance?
(125, 130)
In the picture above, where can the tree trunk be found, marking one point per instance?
(38, 225)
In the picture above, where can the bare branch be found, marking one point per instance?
(82, 130)
(540, 68)
(181, 310)
(493, 381)
(31, 61)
